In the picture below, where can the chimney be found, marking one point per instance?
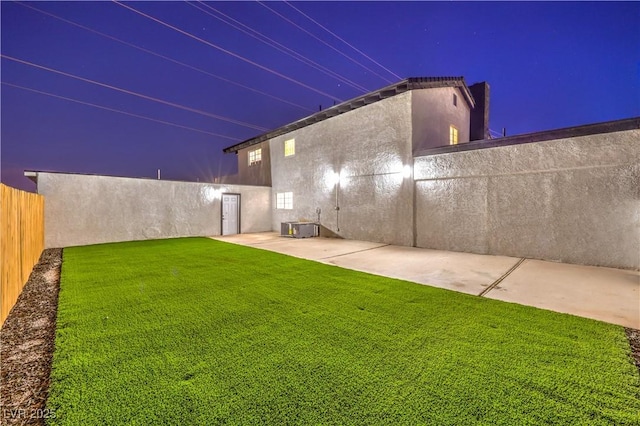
(479, 125)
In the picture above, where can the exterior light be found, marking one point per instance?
(331, 179)
(210, 193)
(336, 178)
(343, 179)
(406, 171)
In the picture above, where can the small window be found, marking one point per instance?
(255, 156)
(455, 100)
(289, 147)
(284, 200)
(453, 135)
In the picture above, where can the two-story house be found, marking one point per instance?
(351, 165)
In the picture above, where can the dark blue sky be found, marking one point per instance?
(549, 65)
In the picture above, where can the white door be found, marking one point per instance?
(230, 217)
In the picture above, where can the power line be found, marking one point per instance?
(324, 42)
(140, 95)
(118, 111)
(228, 52)
(276, 45)
(342, 40)
(150, 52)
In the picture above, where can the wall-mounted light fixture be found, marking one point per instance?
(336, 178)
(210, 193)
(406, 171)
(331, 179)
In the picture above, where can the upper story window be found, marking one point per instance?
(455, 100)
(453, 135)
(284, 200)
(255, 156)
(289, 147)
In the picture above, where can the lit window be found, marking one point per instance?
(284, 200)
(455, 100)
(453, 135)
(255, 156)
(289, 147)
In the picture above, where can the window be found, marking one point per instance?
(255, 156)
(455, 100)
(284, 200)
(453, 135)
(289, 147)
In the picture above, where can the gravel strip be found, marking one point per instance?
(634, 340)
(26, 345)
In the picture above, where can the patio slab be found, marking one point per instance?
(306, 248)
(463, 272)
(249, 239)
(606, 294)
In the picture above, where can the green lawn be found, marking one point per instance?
(196, 331)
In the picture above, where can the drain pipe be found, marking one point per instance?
(337, 207)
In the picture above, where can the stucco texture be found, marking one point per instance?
(369, 147)
(573, 200)
(433, 112)
(256, 174)
(89, 209)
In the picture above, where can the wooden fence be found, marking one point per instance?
(21, 242)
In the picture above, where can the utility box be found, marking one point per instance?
(299, 229)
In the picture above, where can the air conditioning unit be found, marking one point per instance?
(299, 229)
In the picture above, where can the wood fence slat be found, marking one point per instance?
(21, 242)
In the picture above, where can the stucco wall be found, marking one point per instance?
(369, 147)
(433, 112)
(87, 209)
(257, 174)
(573, 200)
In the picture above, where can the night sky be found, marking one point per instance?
(549, 65)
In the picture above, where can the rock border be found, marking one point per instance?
(26, 345)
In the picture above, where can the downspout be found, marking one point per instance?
(337, 207)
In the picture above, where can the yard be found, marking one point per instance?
(196, 331)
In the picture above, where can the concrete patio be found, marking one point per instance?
(605, 294)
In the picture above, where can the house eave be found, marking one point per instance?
(412, 83)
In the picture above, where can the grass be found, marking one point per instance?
(196, 331)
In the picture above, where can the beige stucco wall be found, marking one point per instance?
(433, 112)
(573, 200)
(369, 147)
(257, 174)
(88, 209)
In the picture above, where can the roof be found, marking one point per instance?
(545, 135)
(402, 86)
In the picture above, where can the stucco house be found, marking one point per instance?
(410, 164)
(351, 165)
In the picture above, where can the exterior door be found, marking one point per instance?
(230, 214)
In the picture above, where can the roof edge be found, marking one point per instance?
(33, 176)
(408, 84)
(545, 135)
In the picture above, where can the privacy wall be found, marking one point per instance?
(573, 200)
(89, 209)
